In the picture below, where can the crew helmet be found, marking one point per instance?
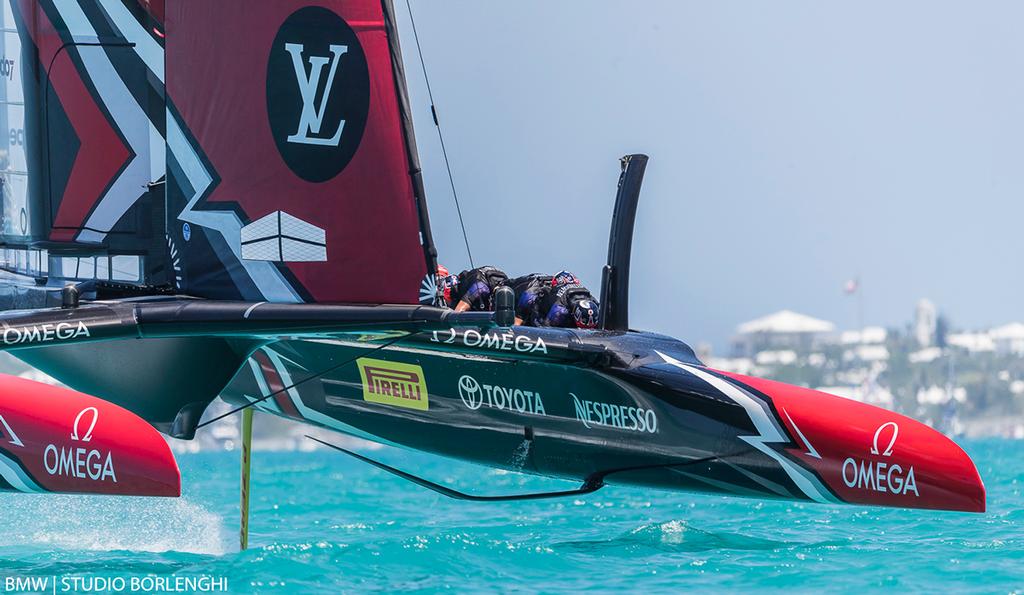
(564, 278)
(585, 313)
(446, 283)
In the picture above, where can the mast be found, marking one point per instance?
(401, 84)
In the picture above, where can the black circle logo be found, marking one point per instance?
(318, 93)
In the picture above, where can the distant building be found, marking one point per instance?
(973, 342)
(924, 356)
(781, 331)
(1008, 339)
(869, 335)
(925, 323)
(867, 392)
(867, 353)
(784, 357)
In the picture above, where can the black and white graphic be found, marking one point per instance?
(318, 93)
(283, 238)
(429, 293)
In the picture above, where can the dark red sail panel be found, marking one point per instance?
(92, 153)
(288, 165)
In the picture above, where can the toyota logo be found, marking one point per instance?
(469, 390)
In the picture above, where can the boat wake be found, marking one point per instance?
(675, 536)
(85, 523)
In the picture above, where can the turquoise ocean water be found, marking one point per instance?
(323, 523)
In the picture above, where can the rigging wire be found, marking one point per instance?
(440, 136)
(295, 384)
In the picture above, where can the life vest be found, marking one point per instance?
(529, 289)
(554, 308)
(477, 285)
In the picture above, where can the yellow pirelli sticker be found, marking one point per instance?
(393, 383)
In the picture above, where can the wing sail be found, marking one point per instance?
(231, 150)
(289, 168)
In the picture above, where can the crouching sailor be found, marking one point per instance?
(529, 289)
(473, 289)
(566, 303)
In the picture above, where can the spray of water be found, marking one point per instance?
(520, 455)
(90, 523)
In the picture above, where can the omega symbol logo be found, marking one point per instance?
(879, 434)
(89, 425)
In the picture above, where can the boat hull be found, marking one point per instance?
(635, 409)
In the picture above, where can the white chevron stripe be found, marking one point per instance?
(14, 475)
(265, 275)
(768, 431)
(127, 115)
(145, 46)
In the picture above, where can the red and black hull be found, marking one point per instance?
(579, 404)
(627, 407)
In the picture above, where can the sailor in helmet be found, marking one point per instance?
(567, 303)
(528, 291)
(472, 289)
(446, 284)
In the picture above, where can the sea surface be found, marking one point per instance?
(323, 523)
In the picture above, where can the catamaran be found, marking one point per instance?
(224, 199)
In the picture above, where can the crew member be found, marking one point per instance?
(446, 284)
(474, 288)
(529, 289)
(567, 303)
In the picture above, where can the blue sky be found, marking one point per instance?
(793, 145)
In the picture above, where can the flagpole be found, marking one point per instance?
(853, 286)
(860, 305)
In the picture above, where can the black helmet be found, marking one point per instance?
(585, 313)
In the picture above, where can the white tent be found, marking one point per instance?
(786, 321)
(784, 330)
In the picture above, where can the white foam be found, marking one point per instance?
(93, 523)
